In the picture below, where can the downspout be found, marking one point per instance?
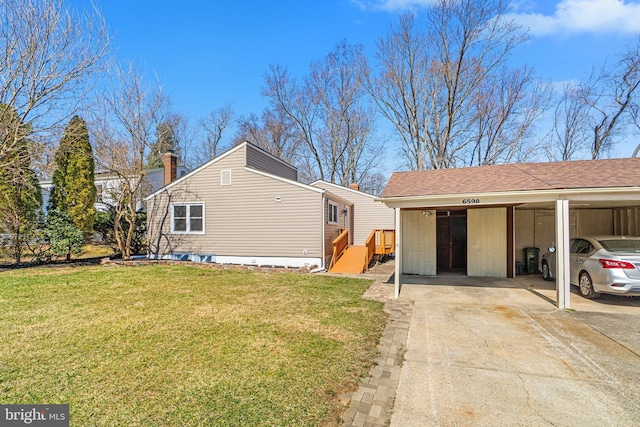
(322, 257)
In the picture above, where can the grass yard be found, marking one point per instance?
(183, 346)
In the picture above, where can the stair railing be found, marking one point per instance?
(340, 244)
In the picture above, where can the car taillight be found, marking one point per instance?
(614, 263)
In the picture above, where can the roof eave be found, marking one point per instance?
(510, 197)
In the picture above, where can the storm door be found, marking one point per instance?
(451, 238)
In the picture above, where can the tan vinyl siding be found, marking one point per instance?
(487, 242)
(256, 158)
(256, 215)
(367, 214)
(418, 243)
(331, 231)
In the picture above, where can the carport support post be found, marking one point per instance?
(563, 291)
(398, 250)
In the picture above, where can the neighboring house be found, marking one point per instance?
(246, 207)
(108, 184)
(483, 221)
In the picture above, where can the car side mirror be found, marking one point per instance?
(552, 249)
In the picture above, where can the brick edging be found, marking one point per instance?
(372, 403)
(234, 267)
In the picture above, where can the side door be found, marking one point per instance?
(580, 251)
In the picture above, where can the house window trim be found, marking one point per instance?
(331, 204)
(188, 217)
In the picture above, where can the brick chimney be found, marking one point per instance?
(170, 162)
(354, 186)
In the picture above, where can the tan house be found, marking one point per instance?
(484, 221)
(367, 214)
(246, 207)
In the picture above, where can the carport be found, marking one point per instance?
(477, 221)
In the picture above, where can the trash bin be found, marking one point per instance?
(531, 256)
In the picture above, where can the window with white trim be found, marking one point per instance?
(187, 218)
(332, 215)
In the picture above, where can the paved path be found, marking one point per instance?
(372, 403)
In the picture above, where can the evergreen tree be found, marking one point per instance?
(20, 198)
(74, 191)
(166, 140)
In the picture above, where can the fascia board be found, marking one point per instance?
(196, 170)
(469, 200)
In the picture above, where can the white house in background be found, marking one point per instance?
(108, 184)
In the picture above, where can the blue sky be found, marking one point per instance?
(210, 53)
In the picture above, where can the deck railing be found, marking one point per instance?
(340, 244)
(380, 242)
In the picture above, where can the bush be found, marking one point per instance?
(64, 237)
(103, 224)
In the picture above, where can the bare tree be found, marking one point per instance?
(430, 82)
(592, 115)
(506, 107)
(214, 126)
(123, 134)
(570, 130)
(401, 89)
(274, 132)
(48, 55)
(185, 135)
(302, 107)
(635, 118)
(330, 115)
(613, 91)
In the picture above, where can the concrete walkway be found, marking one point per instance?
(486, 353)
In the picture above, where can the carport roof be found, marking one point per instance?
(609, 173)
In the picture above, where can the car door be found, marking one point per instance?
(580, 250)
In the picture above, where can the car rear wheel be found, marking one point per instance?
(546, 274)
(586, 286)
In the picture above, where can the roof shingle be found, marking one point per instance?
(516, 177)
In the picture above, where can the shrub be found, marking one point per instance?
(64, 237)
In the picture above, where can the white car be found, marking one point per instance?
(600, 264)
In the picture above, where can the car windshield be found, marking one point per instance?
(621, 245)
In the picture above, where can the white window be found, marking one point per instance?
(225, 177)
(187, 218)
(332, 216)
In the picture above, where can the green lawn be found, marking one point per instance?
(181, 346)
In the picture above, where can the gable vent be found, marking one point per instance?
(225, 177)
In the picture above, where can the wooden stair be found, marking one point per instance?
(352, 261)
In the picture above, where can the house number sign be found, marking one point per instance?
(470, 201)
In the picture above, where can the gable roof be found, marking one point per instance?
(252, 170)
(215, 160)
(608, 173)
(322, 183)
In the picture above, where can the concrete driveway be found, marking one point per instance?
(493, 352)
